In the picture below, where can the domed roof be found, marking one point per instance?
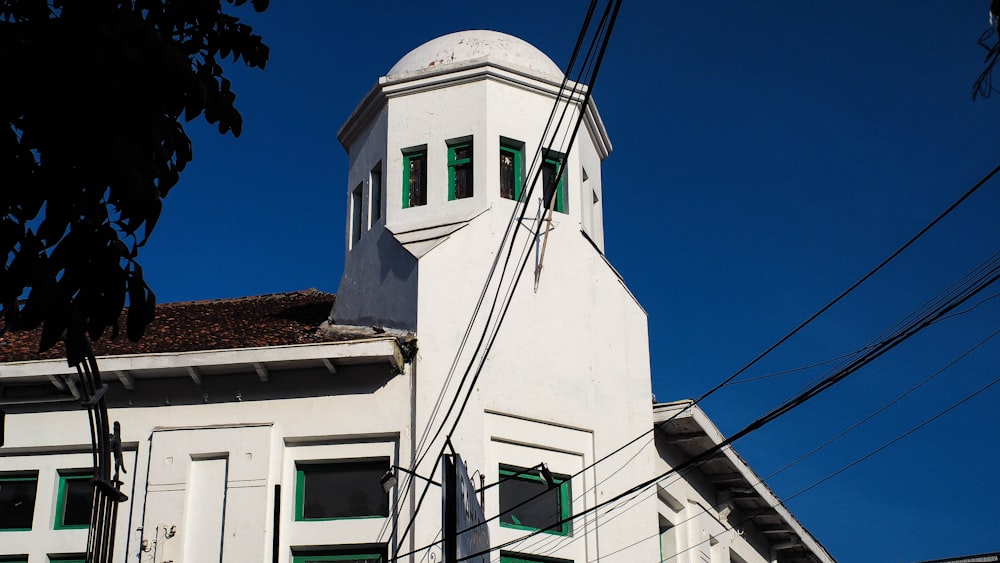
(474, 44)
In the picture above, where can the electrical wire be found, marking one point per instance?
(984, 281)
(512, 232)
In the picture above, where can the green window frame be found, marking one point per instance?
(558, 501)
(343, 555)
(68, 503)
(342, 475)
(551, 166)
(14, 493)
(460, 184)
(509, 557)
(67, 559)
(13, 559)
(511, 168)
(415, 177)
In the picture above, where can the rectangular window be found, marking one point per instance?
(375, 192)
(551, 167)
(542, 513)
(342, 489)
(13, 559)
(74, 500)
(342, 555)
(415, 178)
(460, 170)
(507, 557)
(356, 214)
(511, 169)
(66, 559)
(17, 501)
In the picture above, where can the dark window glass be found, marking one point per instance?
(510, 172)
(460, 171)
(520, 558)
(341, 490)
(542, 513)
(376, 193)
(77, 500)
(415, 182)
(351, 555)
(356, 214)
(550, 190)
(17, 502)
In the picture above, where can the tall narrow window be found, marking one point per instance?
(17, 501)
(356, 199)
(460, 170)
(375, 192)
(511, 171)
(73, 500)
(345, 489)
(415, 178)
(551, 167)
(527, 502)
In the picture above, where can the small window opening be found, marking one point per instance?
(346, 489)
(375, 191)
(460, 170)
(520, 510)
(511, 169)
(17, 500)
(74, 500)
(415, 178)
(551, 167)
(356, 199)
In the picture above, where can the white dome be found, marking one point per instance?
(474, 44)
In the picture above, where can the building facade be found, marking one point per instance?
(288, 428)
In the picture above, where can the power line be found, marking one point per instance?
(522, 204)
(983, 282)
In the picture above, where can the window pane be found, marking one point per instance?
(507, 176)
(348, 555)
(543, 512)
(376, 193)
(356, 214)
(343, 490)
(463, 181)
(17, 502)
(77, 501)
(460, 171)
(549, 172)
(417, 180)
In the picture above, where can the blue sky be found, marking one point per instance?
(767, 155)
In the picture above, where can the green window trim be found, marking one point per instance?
(565, 500)
(61, 498)
(346, 555)
(460, 166)
(67, 559)
(511, 169)
(21, 478)
(510, 557)
(13, 558)
(551, 166)
(411, 159)
(300, 488)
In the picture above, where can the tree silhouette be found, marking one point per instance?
(91, 139)
(990, 41)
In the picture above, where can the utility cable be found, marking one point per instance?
(512, 230)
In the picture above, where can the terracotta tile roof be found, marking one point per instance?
(242, 322)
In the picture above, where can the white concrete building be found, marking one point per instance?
(253, 433)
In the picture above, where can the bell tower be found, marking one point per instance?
(446, 138)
